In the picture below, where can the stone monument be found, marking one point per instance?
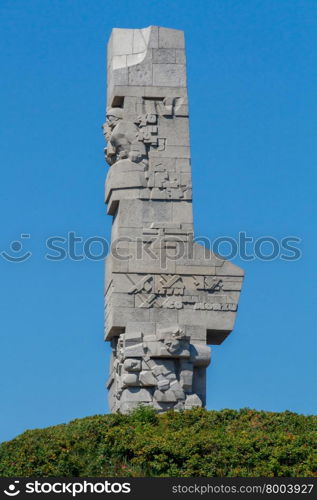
(167, 297)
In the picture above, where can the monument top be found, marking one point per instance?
(135, 41)
(152, 57)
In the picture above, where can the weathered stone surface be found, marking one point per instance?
(166, 295)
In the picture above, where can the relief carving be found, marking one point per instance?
(180, 292)
(133, 137)
(163, 363)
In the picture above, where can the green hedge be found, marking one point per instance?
(245, 443)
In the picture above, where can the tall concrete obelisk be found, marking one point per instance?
(167, 297)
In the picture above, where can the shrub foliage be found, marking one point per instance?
(245, 443)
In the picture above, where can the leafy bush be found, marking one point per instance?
(245, 443)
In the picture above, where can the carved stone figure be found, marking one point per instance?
(122, 137)
(167, 297)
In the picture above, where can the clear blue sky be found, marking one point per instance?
(252, 86)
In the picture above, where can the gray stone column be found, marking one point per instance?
(167, 297)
